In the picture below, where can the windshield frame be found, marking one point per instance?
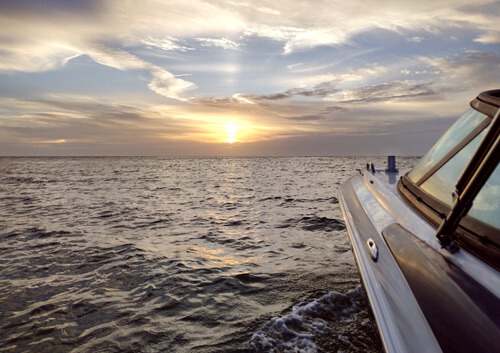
(477, 237)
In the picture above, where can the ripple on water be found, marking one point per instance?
(314, 223)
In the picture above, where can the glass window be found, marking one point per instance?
(486, 207)
(442, 183)
(463, 127)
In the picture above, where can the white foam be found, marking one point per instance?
(308, 323)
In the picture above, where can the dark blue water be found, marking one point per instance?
(178, 255)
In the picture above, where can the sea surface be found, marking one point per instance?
(122, 254)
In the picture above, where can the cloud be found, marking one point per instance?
(47, 42)
(222, 103)
(269, 97)
(297, 24)
(491, 37)
(46, 35)
(345, 76)
(415, 39)
(384, 92)
(335, 109)
(470, 72)
(168, 85)
(304, 25)
(218, 42)
(329, 91)
(166, 43)
(163, 82)
(35, 122)
(296, 37)
(242, 98)
(33, 54)
(321, 90)
(306, 118)
(485, 17)
(252, 7)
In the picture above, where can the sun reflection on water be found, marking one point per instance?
(216, 255)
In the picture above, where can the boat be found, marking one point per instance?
(427, 240)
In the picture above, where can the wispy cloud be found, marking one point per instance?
(471, 69)
(66, 121)
(306, 118)
(415, 39)
(162, 82)
(320, 90)
(329, 91)
(218, 42)
(384, 92)
(165, 43)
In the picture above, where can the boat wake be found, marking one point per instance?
(333, 323)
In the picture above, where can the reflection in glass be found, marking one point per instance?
(442, 183)
(486, 207)
(464, 126)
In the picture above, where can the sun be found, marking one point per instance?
(231, 131)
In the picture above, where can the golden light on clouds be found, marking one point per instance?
(54, 141)
(209, 127)
(240, 98)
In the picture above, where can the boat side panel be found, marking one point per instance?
(464, 315)
(402, 324)
(386, 193)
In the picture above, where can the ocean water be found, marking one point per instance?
(179, 255)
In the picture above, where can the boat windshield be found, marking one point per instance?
(442, 183)
(462, 128)
(486, 207)
(468, 152)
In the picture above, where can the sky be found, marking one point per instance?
(240, 78)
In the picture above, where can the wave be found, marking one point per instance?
(335, 322)
(315, 223)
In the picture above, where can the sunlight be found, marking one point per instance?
(231, 131)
